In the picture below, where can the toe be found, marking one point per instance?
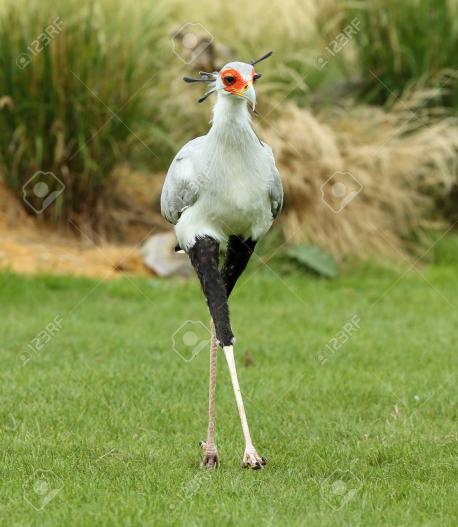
(210, 462)
(253, 460)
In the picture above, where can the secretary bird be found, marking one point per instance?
(224, 186)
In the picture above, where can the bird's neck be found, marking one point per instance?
(231, 121)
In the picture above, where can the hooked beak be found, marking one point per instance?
(248, 93)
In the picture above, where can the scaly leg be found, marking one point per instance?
(250, 456)
(216, 286)
(238, 254)
(209, 449)
(204, 256)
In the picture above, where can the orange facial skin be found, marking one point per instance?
(234, 82)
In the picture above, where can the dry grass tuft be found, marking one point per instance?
(401, 166)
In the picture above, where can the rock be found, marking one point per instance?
(159, 255)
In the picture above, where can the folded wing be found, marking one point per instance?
(181, 186)
(276, 187)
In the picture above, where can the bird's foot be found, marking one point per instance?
(251, 459)
(210, 458)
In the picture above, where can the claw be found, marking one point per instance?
(251, 459)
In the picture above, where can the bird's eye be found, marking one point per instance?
(229, 79)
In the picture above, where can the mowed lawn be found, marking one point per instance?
(349, 384)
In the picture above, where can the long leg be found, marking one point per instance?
(238, 254)
(210, 451)
(204, 255)
(250, 456)
(205, 258)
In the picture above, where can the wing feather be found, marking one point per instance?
(276, 187)
(181, 186)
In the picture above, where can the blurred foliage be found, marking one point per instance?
(446, 250)
(314, 259)
(107, 89)
(76, 83)
(402, 44)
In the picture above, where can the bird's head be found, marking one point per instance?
(235, 79)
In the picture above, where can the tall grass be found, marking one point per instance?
(83, 102)
(403, 43)
(398, 169)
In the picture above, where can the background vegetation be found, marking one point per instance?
(378, 102)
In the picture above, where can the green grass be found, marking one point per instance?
(116, 415)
